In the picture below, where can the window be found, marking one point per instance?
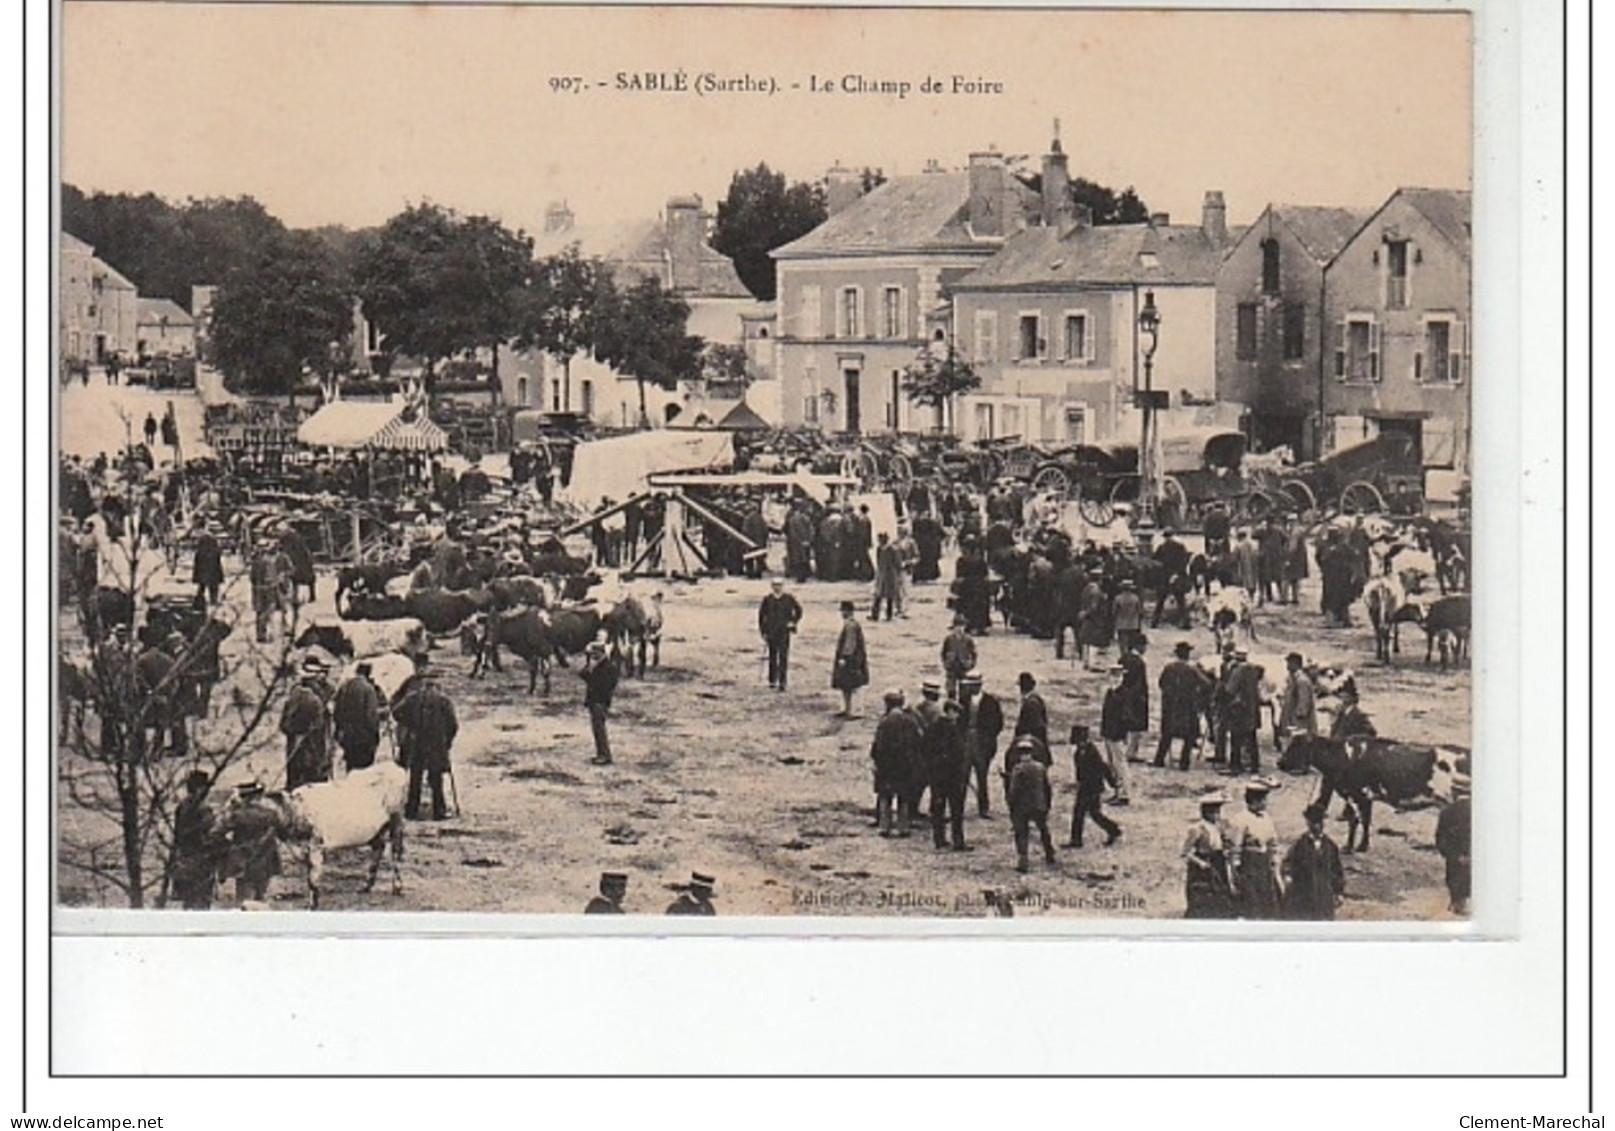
(587, 390)
(1358, 358)
(555, 396)
(891, 312)
(810, 409)
(521, 390)
(984, 422)
(810, 398)
(896, 399)
(1245, 332)
(1295, 331)
(809, 320)
(1030, 345)
(1076, 424)
(847, 312)
(1440, 358)
(1078, 343)
(986, 338)
(1396, 274)
(1270, 267)
(1012, 419)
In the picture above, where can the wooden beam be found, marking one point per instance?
(718, 522)
(593, 519)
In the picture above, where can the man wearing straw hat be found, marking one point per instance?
(304, 721)
(613, 887)
(696, 898)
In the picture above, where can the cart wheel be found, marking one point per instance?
(1052, 477)
(1302, 496)
(1096, 512)
(1257, 506)
(902, 471)
(992, 466)
(1362, 498)
(1124, 490)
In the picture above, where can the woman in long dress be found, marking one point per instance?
(1205, 886)
(851, 666)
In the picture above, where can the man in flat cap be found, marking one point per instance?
(304, 722)
(696, 898)
(613, 887)
(1184, 688)
(600, 675)
(1033, 718)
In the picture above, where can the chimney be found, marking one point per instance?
(842, 187)
(1160, 219)
(686, 236)
(1079, 215)
(1214, 218)
(558, 217)
(932, 165)
(1056, 183)
(988, 193)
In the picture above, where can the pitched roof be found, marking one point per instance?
(917, 212)
(158, 309)
(743, 418)
(1448, 211)
(1322, 230)
(641, 247)
(112, 275)
(71, 243)
(1109, 254)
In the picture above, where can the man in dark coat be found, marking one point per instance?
(207, 566)
(427, 725)
(265, 577)
(777, 618)
(1453, 842)
(983, 719)
(1030, 797)
(356, 719)
(1135, 699)
(1271, 551)
(1314, 881)
(198, 845)
(971, 590)
(1173, 557)
(253, 826)
(928, 543)
(162, 715)
(302, 563)
(860, 538)
(304, 721)
(600, 675)
(696, 898)
(1242, 707)
(613, 887)
(958, 655)
(753, 526)
(947, 772)
(896, 757)
(1215, 529)
(829, 551)
(799, 543)
(1093, 776)
(1034, 713)
(1183, 690)
(150, 430)
(1069, 585)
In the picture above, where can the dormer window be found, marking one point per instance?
(1149, 259)
(1396, 274)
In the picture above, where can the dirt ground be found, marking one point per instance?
(771, 792)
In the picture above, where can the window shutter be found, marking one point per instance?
(1087, 343)
(1418, 365)
(1042, 340)
(1440, 442)
(1340, 350)
(1373, 351)
(1459, 345)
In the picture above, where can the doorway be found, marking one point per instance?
(854, 416)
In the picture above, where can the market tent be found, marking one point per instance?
(372, 424)
(618, 467)
(743, 418)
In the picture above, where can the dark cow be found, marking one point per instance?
(558, 563)
(575, 587)
(1446, 624)
(1362, 770)
(373, 606)
(527, 633)
(104, 610)
(515, 592)
(369, 578)
(442, 611)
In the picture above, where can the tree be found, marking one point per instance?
(122, 775)
(936, 379)
(439, 284)
(640, 333)
(1105, 205)
(760, 214)
(560, 308)
(281, 316)
(725, 368)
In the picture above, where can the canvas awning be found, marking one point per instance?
(619, 467)
(743, 418)
(371, 424)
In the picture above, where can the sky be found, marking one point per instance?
(347, 113)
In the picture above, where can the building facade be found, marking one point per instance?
(1398, 327)
(1272, 322)
(1050, 325)
(855, 297)
(98, 309)
(163, 329)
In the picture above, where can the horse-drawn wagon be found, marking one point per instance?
(1381, 476)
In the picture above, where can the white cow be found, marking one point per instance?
(366, 807)
(1227, 611)
(388, 672)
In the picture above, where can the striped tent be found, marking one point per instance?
(371, 424)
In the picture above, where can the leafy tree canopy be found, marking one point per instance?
(1106, 204)
(760, 214)
(640, 332)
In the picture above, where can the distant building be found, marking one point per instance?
(673, 249)
(1050, 323)
(1397, 329)
(97, 314)
(855, 296)
(163, 329)
(1272, 321)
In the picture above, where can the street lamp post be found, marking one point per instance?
(1149, 331)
